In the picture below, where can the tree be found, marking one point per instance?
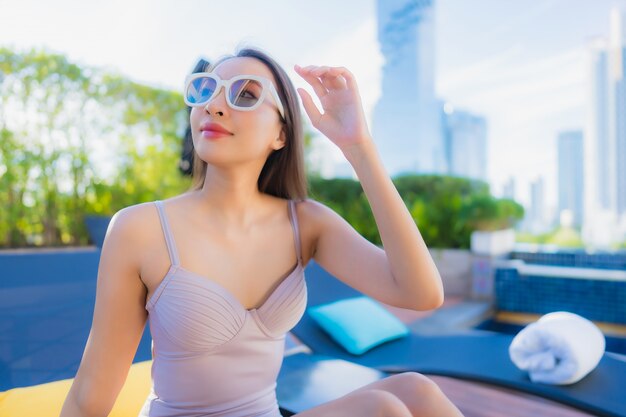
(446, 209)
(56, 119)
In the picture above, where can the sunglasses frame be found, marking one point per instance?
(265, 83)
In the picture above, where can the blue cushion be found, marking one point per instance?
(358, 324)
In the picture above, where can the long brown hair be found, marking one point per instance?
(283, 174)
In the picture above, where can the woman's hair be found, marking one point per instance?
(283, 174)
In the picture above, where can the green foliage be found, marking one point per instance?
(56, 120)
(526, 237)
(445, 209)
(346, 197)
(565, 237)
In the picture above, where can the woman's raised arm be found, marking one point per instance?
(403, 274)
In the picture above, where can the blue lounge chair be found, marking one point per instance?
(45, 305)
(307, 380)
(473, 355)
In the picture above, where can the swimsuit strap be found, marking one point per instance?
(296, 229)
(169, 239)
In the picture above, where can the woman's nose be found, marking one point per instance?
(217, 104)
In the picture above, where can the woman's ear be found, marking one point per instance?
(281, 140)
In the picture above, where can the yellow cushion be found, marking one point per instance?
(47, 399)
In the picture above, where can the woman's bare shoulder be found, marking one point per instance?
(135, 225)
(135, 217)
(313, 211)
(318, 216)
(312, 216)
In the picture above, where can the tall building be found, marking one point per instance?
(617, 107)
(406, 123)
(536, 216)
(570, 180)
(605, 142)
(465, 143)
(600, 189)
(508, 190)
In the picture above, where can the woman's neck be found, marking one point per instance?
(232, 198)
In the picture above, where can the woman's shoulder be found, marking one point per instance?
(313, 214)
(312, 208)
(131, 215)
(135, 222)
(148, 210)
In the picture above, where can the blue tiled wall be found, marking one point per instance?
(580, 259)
(597, 300)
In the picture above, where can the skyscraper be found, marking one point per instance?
(536, 214)
(617, 107)
(508, 190)
(605, 144)
(600, 190)
(570, 156)
(406, 122)
(465, 143)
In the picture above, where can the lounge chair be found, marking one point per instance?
(304, 381)
(308, 380)
(473, 355)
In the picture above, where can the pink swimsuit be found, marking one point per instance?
(211, 356)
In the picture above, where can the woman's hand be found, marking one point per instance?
(343, 120)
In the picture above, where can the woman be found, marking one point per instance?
(208, 266)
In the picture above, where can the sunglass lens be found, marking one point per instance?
(200, 90)
(245, 93)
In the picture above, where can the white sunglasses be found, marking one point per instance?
(244, 92)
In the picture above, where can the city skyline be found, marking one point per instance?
(521, 67)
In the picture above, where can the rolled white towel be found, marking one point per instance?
(560, 348)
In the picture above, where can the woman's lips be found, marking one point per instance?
(213, 134)
(213, 131)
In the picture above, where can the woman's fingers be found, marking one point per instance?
(309, 106)
(314, 81)
(333, 82)
(330, 78)
(319, 71)
(342, 120)
(345, 74)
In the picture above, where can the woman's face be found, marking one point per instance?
(251, 135)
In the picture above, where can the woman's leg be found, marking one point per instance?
(407, 394)
(365, 403)
(421, 395)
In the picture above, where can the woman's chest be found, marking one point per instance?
(249, 268)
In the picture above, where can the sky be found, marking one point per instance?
(519, 63)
